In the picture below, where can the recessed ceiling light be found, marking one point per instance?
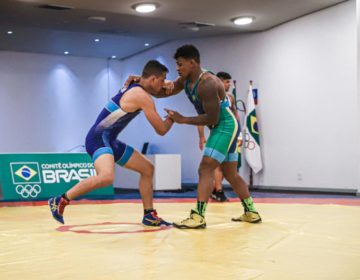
(145, 7)
(146, 44)
(97, 40)
(10, 32)
(97, 19)
(66, 52)
(113, 56)
(243, 20)
(192, 28)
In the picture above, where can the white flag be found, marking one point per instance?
(252, 136)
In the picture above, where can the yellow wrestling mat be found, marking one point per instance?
(106, 241)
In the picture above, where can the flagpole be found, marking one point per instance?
(243, 109)
(251, 177)
(234, 93)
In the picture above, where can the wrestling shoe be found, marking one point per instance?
(219, 196)
(249, 217)
(195, 221)
(151, 219)
(57, 206)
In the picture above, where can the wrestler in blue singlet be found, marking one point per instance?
(101, 139)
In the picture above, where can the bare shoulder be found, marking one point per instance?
(138, 93)
(209, 82)
(180, 80)
(136, 98)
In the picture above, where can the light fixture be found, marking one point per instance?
(97, 19)
(243, 20)
(113, 56)
(10, 32)
(97, 40)
(145, 7)
(146, 44)
(66, 52)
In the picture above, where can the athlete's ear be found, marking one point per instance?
(152, 78)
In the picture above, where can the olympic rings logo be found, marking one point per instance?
(249, 144)
(28, 190)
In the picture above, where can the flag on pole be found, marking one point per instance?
(252, 136)
(234, 94)
(239, 140)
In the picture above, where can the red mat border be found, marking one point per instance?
(144, 229)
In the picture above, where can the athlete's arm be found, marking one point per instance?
(161, 126)
(233, 106)
(131, 79)
(202, 139)
(207, 91)
(171, 88)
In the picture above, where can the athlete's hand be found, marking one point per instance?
(202, 142)
(175, 116)
(168, 87)
(131, 79)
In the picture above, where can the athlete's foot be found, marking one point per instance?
(151, 219)
(57, 206)
(249, 217)
(219, 196)
(195, 221)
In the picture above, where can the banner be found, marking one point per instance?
(252, 137)
(40, 176)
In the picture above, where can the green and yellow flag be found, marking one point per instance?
(252, 136)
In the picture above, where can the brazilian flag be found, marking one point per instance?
(252, 135)
(252, 126)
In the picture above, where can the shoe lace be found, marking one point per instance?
(155, 215)
(187, 219)
(53, 206)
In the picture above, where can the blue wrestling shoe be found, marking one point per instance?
(57, 206)
(151, 219)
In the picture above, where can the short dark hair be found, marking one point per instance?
(188, 52)
(154, 67)
(223, 75)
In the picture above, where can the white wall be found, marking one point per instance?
(306, 74)
(305, 71)
(48, 103)
(358, 81)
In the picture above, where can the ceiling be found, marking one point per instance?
(124, 33)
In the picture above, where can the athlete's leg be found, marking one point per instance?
(206, 177)
(133, 160)
(216, 149)
(145, 168)
(205, 187)
(218, 193)
(240, 187)
(229, 170)
(218, 178)
(104, 166)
